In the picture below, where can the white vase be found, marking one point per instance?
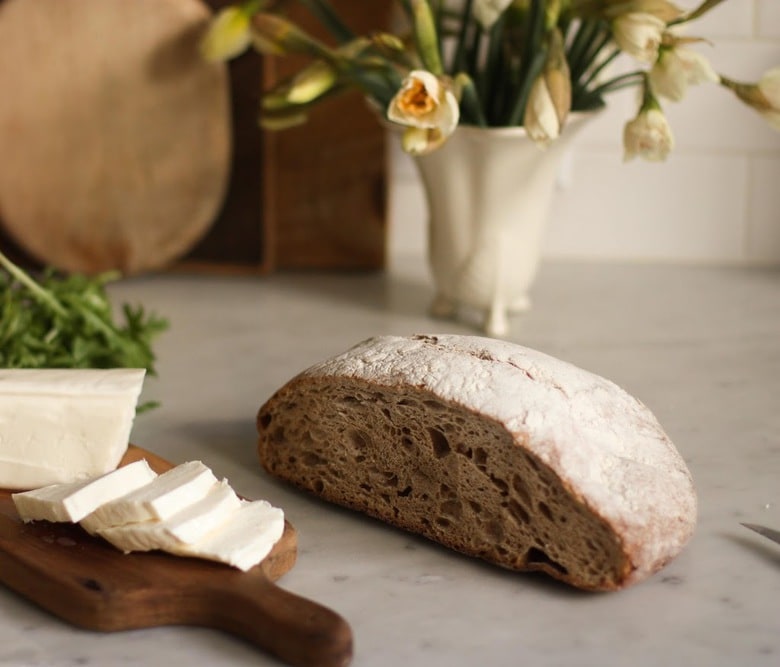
(488, 192)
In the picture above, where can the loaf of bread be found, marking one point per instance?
(490, 448)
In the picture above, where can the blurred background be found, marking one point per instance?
(101, 171)
(715, 200)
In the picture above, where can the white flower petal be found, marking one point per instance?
(769, 84)
(639, 34)
(424, 103)
(648, 136)
(676, 69)
(541, 119)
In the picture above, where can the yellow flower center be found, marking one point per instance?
(415, 100)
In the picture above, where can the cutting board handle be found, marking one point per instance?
(298, 631)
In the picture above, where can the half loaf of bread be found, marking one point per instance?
(489, 448)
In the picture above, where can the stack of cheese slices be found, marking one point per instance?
(185, 511)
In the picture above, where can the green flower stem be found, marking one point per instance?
(466, 24)
(470, 101)
(427, 37)
(534, 57)
(592, 52)
(518, 109)
(494, 66)
(437, 7)
(286, 37)
(622, 81)
(324, 12)
(380, 83)
(473, 51)
(599, 68)
(586, 33)
(736, 87)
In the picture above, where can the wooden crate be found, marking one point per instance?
(313, 196)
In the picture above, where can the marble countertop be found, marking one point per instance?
(700, 346)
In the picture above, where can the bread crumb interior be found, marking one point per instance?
(410, 459)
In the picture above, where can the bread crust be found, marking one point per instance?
(513, 456)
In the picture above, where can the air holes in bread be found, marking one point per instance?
(538, 557)
(441, 446)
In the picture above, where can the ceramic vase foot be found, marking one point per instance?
(496, 322)
(442, 307)
(520, 305)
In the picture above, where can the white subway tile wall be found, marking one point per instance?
(715, 200)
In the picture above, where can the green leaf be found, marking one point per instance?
(427, 36)
(62, 321)
(323, 11)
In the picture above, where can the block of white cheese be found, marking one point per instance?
(161, 499)
(188, 526)
(75, 500)
(244, 540)
(64, 425)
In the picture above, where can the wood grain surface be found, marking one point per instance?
(115, 134)
(87, 582)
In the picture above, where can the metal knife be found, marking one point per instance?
(773, 535)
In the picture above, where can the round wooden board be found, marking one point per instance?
(115, 134)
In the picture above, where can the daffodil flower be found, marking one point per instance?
(549, 101)
(426, 105)
(227, 36)
(763, 96)
(648, 136)
(769, 85)
(487, 12)
(639, 34)
(676, 69)
(275, 35)
(541, 120)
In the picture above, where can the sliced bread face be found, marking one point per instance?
(489, 448)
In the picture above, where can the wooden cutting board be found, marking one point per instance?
(115, 134)
(87, 582)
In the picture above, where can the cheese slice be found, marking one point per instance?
(185, 511)
(75, 500)
(64, 425)
(188, 526)
(242, 541)
(162, 498)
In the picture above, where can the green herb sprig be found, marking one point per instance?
(66, 321)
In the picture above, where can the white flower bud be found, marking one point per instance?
(227, 36)
(648, 136)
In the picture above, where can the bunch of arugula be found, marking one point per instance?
(66, 321)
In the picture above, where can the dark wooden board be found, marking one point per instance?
(85, 581)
